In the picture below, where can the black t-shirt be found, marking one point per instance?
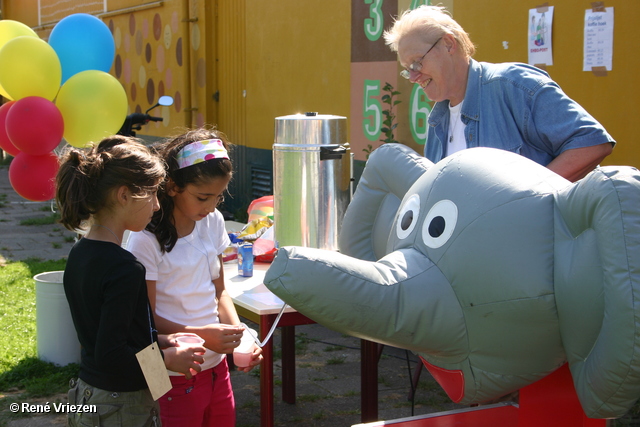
(107, 293)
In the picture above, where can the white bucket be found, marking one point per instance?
(56, 336)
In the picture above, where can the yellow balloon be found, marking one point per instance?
(9, 30)
(30, 67)
(93, 105)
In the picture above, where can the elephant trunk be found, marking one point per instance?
(402, 300)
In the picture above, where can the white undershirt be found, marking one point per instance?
(456, 140)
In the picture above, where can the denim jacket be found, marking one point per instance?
(518, 108)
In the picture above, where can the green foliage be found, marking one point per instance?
(389, 123)
(50, 219)
(338, 360)
(38, 378)
(19, 366)
(368, 150)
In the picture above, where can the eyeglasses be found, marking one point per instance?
(417, 65)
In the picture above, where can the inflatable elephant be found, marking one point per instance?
(493, 269)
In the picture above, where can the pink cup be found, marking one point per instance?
(241, 360)
(242, 353)
(190, 341)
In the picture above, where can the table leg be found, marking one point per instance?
(289, 364)
(369, 354)
(266, 377)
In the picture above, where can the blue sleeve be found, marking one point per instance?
(557, 123)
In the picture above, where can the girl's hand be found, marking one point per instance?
(185, 360)
(256, 359)
(221, 338)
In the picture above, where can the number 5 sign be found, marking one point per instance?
(373, 64)
(372, 110)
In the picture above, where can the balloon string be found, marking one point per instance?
(273, 328)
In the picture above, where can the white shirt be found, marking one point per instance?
(456, 141)
(185, 292)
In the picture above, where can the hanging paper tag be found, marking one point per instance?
(154, 370)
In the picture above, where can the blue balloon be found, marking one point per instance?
(82, 42)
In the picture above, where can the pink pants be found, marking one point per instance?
(204, 400)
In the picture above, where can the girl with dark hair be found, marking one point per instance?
(106, 190)
(182, 251)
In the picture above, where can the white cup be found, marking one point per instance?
(242, 353)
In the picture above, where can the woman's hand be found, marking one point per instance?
(256, 359)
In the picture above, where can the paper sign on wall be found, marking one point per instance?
(540, 37)
(598, 39)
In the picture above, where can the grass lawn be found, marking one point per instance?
(21, 371)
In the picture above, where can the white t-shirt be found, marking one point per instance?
(185, 292)
(456, 141)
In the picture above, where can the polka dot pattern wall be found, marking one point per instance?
(153, 58)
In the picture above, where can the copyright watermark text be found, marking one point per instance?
(55, 407)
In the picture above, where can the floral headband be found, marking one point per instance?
(201, 151)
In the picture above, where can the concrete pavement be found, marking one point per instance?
(18, 239)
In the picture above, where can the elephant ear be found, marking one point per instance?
(598, 288)
(389, 173)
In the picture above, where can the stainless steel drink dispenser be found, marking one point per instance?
(312, 179)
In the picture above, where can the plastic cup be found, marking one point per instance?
(242, 353)
(189, 341)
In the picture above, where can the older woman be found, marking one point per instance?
(511, 106)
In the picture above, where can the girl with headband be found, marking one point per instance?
(182, 251)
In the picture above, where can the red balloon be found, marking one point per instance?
(35, 125)
(5, 142)
(33, 177)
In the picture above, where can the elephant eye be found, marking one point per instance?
(439, 224)
(407, 216)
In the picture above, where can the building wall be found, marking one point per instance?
(297, 61)
(294, 58)
(240, 64)
(154, 57)
(609, 99)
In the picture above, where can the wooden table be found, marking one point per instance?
(253, 301)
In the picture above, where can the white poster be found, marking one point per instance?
(598, 39)
(540, 23)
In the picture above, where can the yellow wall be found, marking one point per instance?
(25, 11)
(298, 59)
(269, 59)
(153, 50)
(611, 99)
(230, 65)
(265, 59)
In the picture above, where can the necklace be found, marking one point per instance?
(205, 253)
(456, 119)
(110, 231)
